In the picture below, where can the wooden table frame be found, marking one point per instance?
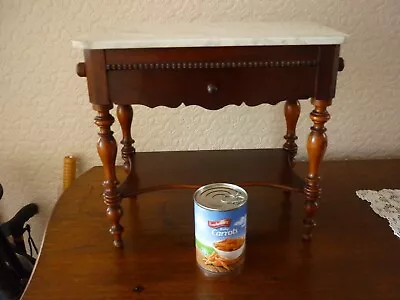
(211, 77)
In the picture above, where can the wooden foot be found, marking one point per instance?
(107, 149)
(125, 115)
(316, 146)
(292, 112)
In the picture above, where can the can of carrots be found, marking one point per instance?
(220, 215)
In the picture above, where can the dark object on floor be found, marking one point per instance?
(16, 265)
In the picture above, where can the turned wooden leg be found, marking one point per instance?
(316, 147)
(125, 114)
(107, 149)
(292, 112)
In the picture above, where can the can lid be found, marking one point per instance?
(220, 196)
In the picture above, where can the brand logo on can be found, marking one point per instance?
(220, 223)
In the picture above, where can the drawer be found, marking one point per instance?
(211, 77)
(211, 88)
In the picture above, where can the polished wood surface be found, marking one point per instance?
(355, 255)
(169, 170)
(253, 75)
(171, 88)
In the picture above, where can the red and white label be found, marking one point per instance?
(220, 223)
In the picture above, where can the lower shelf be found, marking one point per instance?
(191, 169)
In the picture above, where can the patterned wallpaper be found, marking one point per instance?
(45, 114)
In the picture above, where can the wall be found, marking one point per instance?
(45, 114)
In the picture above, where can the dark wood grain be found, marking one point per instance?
(354, 257)
(94, 69)
(155, 84)
(171, 88)
(328, 67)
(240, 53)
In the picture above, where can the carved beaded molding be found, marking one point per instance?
(211, 65)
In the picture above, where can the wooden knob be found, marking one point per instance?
(211, 88)
(341, 64)
(80, 69)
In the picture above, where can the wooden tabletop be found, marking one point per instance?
(354, 254)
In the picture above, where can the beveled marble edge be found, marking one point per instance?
(215, 35)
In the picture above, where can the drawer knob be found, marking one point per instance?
(341, 64)
(80, 69)
(211, 88)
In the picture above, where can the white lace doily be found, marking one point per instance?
(385, 203)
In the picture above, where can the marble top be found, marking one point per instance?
(212, 35)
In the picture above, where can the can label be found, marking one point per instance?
(220, 238)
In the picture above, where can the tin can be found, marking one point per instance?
(220, 216)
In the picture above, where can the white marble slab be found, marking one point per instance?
(213, 35)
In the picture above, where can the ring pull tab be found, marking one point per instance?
(232, 199)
